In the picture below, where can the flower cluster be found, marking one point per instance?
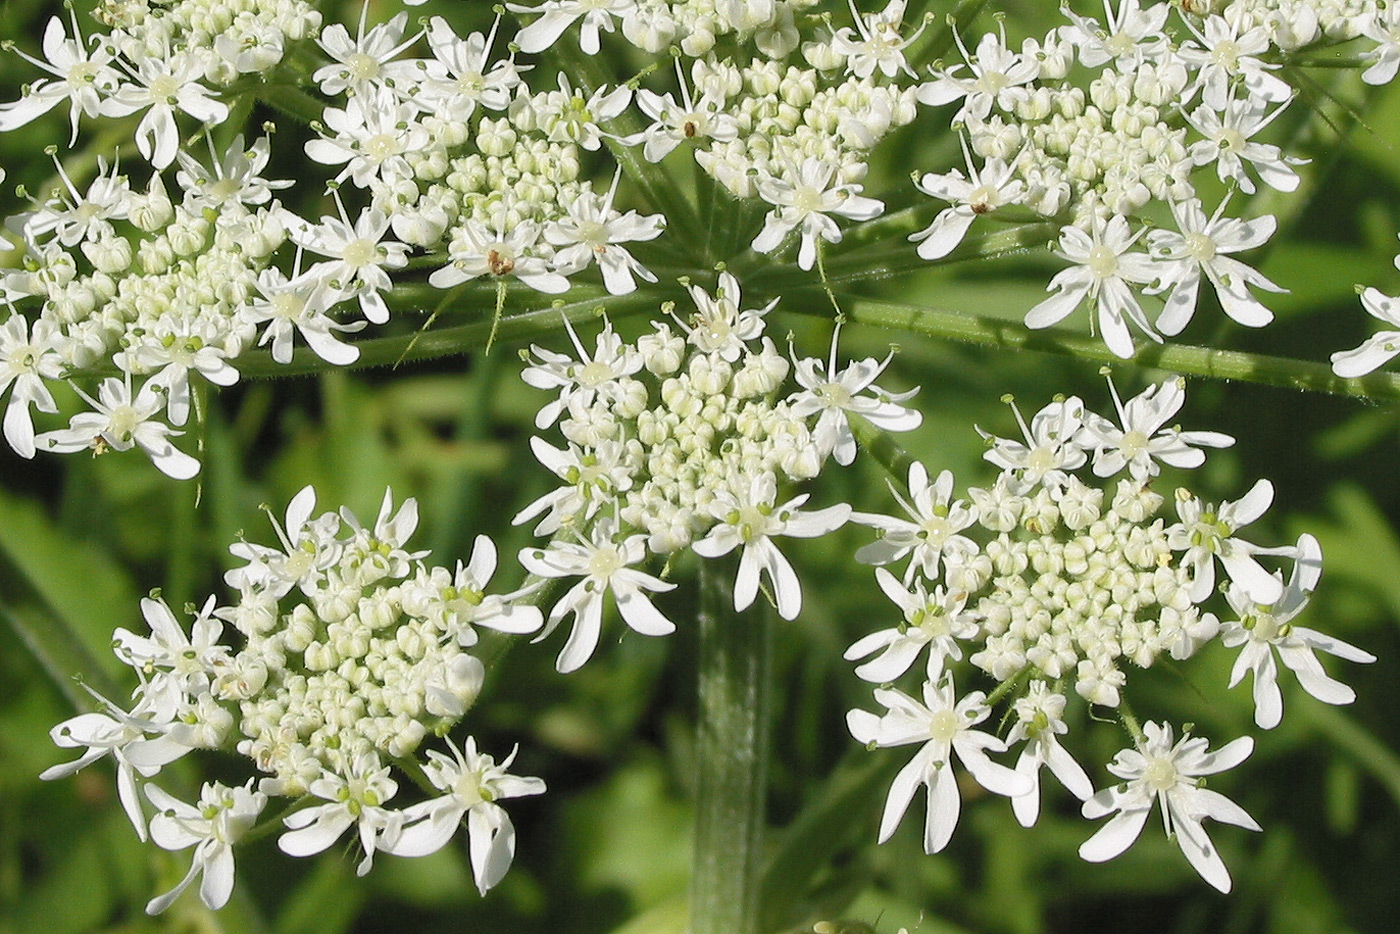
(1110, 122)
(682, 441)
(442, 157)
(349, 653)
(1053, 585)
(167, 278)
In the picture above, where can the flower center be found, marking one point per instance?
(943, 726)
(361, 252)
(1133, 443)
(164, 88)
(605, 563)
(381, 146)
(1103, 262)
(1161, 774)
(1200, 247)
(362, 67)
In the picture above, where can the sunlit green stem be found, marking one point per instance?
(732, 759)
(1180, 358)
(447, 342)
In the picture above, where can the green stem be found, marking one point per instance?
(732, 759)
(446, 342)
(1180, 358)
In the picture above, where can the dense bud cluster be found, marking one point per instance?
(683, 440)
(351, 653)
(1052, 585)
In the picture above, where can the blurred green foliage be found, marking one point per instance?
(607, 850)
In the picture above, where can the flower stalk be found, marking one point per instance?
(732, 760)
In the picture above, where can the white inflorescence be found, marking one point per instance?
(171, 266)
(353, 653)
(1054, 585)
(683, 440)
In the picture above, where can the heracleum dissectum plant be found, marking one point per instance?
(460, 162)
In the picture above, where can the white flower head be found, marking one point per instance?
(221, 818)
(1106, 268)
(122, 419)
(929, 534)
(1040, 723)
(749, 517)
(1207, 531)
(1169, 774)
(1265, 636)
(473, 783)
(606, 567)
(944, 725)
(803, 198)
(1140, 440)
(835, 393)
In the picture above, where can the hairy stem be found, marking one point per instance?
(1180, 358)
(732, 758)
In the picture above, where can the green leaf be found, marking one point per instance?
(81, 593)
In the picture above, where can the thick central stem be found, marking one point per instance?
(732, 758)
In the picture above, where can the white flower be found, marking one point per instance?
(236, 177)
(1227, 143)
(165, 84)
(459, 601)
(309, 549)
(718, 325)
(474, 783)
(584, 378)
(1377, 349)
(1225, 54)
(1105, 268)
(174, 346)
(880, 45)
(592, 232)
(559, 15)
(748, 517)
(981, 193)
(1262, 629)
(28, 357)
(1206, 531)
(83, 78)
(998, 76)
(300, 304)
(1171, 775)
(930, 532)
(834, 394)
(803, 197)
(1202, 245)
(478, 250)
(944, 725)
(1132, 34)
(1053, 445)
(123, 736)
(606, 567)
(1382, 27)
(365, 64)
(355, 799)
(935, 620)
(1142, 441)
(360, 257)
(1040, 722)
(122, 421)
(373, 136)
(79, 217)
(471, 77)
(676, 123)
(223, 816)
(171, 663)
